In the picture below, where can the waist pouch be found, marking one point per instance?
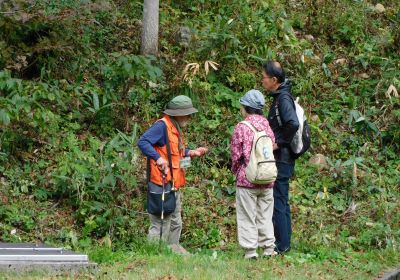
(154, 199)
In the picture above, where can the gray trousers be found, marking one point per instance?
(172, 224)
(254, 209)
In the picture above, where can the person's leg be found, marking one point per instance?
(246, 221)
(288, 220)
(155, 227)
(155, 220)
(176, 227)
(176, 221)
(281, 217)
(265, 209)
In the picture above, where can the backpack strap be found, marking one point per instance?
(248, 124)
(169, 157)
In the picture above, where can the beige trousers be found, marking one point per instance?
(172, 224)
(254, 209)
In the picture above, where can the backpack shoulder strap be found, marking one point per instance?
(248, 124)
(169, 154)
(290, 96)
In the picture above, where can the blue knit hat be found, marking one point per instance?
(254, 99)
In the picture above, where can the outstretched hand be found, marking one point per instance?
(198, 152)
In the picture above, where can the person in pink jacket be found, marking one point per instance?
(254, 203)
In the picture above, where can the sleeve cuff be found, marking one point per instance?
(187, 152)
(156, 157)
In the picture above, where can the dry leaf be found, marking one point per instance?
(363, 75)
(340, 61)
(208, 64)
(319, 160)
(355, 170)
(213, 64)
(188, 67)
(379, 8)
(309, 37)
(392, 91)
(206, 67)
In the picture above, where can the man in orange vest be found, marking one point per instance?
(153, 144)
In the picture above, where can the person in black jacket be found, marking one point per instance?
(283, 121)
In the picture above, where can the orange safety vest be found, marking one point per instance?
(176, 155)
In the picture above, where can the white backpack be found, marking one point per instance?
(302, 139)
(297, 143)
(261, 168)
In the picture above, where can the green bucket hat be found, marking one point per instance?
(180, 106)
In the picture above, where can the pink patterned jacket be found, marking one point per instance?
(241, 143)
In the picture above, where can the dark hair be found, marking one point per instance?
(274, 69)
(252, 111)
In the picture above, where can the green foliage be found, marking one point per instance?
(75, 96)
(50, 125)
(106, 255)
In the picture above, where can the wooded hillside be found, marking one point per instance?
(75, 95)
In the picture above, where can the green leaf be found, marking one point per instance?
(4, 117)
(110, 180)
(127, 67)
(326, 70)
(360, 119)
(373, 127)
(51, 96)
(96, 102)
(81, 169)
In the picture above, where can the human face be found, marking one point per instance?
(183, 120)
(269, 83)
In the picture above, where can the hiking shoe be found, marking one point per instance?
(282, 252)
(178, 249)
(269, 254)
(251, 255)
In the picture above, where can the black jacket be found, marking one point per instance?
(284, 133)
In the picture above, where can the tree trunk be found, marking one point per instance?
(150, 27)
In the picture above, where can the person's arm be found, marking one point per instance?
(290, 123)
(155, 135)
(236, 148)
